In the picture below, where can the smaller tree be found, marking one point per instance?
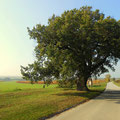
(113, 79)
(107, 77)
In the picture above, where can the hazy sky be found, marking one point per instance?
(16, 15)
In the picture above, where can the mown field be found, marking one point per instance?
(31, 102)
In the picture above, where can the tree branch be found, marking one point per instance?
(94, 67)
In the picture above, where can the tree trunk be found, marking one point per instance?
(91, 82)
(82, 84)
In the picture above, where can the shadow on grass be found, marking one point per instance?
(87, 94)
(71, 93)
(66, 89)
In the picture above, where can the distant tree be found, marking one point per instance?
(108, 77)
(113, 79)
(76, 45)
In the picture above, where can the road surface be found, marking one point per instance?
(104, 107)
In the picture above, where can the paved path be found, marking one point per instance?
(104, 107)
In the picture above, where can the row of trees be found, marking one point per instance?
(78, 44)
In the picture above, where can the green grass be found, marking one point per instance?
(33, 103)
(13, 86)
(99, 87)
(116, 83)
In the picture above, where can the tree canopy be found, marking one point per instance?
(76, 45)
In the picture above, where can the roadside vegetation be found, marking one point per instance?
(116, 82)
(32, 103)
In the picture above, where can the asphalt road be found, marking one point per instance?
(104, 107)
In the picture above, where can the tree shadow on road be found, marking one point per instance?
(110, 95)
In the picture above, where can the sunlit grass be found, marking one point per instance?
(117, 83)
(13, 86)
(32, 104)
(99, 87)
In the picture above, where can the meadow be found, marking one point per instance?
(13, 86)
(19, 101)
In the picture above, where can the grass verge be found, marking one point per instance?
(34, 104)
(116, 83)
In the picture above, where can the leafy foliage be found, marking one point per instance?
(108, 77)
(74, 46)
(66, 83)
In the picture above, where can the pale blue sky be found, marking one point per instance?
(16, 15)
